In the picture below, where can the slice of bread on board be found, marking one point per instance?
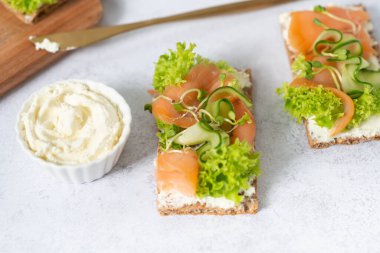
(36, 16)
(249, 205)
(315, 142)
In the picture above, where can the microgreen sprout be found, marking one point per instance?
(148, 107)
(222, 77)
(323, 10)
(319, 8)
(309, 69)
(303, 67)
(319, 23)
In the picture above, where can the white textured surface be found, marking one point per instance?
(311, 200)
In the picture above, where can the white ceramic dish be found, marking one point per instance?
(84, 173)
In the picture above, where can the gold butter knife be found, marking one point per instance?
(76, 39)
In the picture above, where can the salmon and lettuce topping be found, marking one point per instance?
(28, 6)
(225, 171)
(337, 70)
(205, 126)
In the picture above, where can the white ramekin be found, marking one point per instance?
(84, 173)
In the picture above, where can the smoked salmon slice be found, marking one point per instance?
(303, 32)
(202, 76)
(178, 171)
(300, 81)
(247, 131)
(349, 110)
(164, 110)
(175, 92)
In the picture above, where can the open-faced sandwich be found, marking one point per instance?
(206, 161)
(30, 11)
(336, 86)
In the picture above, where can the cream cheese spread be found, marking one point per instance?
(284, 20)
(177, 200)
(69, 123)
(46, 44)
(243, 79)
(369, 128)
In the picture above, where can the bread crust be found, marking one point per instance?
(39, 14)
(250, 205)
(336, 141)
(314, 143)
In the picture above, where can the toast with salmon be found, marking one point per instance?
(336, 74)
(31, 11)
(206, 160)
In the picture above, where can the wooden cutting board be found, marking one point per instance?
(18, 58)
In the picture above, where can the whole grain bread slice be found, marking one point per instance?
(39, 14)
(313, 142)
(249, 205)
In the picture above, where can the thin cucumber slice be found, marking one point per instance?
(337, 46)
(202, 151)
(221, 109)
(327, 38)
(350, 86)
(370, 76)
(348, 48)
(355, 77)
(224, 92)
(198, 134)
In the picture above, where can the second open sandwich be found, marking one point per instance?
(335, 63)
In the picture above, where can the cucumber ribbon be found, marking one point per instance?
(355, 74)
(338, 46)
(204, 135)
(217, 118)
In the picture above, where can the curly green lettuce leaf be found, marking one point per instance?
(366, 105)
(304, 68)
(165, 132)
(319, 103)
(29, 6)
(172, 68)
(227, 171)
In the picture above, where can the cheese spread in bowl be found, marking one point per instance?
(77, 128)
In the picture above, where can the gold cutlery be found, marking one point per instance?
(76, 39)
